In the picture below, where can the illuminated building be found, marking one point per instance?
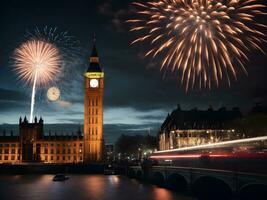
(93, 110)
(32, 145)
(185, 128)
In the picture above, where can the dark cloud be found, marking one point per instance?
(116, 14)
(152, 117)
(73, 121)
(12, 106)
(12, 95)
(12, 101)
(114, 131)
(111, 131)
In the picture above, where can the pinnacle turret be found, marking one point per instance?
(94, 65)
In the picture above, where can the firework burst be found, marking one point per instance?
(203, 41)
(36, 62)
(37, 59)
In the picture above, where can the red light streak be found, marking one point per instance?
(176, 156)
(224, 155)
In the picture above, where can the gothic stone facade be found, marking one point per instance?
(31, 145)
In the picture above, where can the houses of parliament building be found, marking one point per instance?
(32, 145)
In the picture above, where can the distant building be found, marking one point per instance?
(185, 128)
(109, 152)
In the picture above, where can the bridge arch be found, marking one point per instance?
(139, 174)
(177, 182)
(253, 191)
(158, 178)
(131, 173)
(208, 187)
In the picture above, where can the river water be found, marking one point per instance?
(89, 187)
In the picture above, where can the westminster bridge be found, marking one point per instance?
(204, 183)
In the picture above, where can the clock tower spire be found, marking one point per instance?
(93, 109)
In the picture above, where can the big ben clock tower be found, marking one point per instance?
(93, 110)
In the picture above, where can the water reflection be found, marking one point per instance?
(114, 180)
(92, 187)
(160, 193)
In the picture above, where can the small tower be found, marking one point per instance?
(29, 134)
(93, 109)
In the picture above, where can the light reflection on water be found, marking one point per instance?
(95, 187)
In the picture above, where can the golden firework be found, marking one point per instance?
(204, 41)
(37, 59)
(37, 62)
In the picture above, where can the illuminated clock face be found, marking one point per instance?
(94, 83)
(53, 94)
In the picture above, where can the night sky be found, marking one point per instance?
(137, 97)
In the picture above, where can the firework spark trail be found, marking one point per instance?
(204, 41)
(36, 62)
(33, 96)
(66, 43)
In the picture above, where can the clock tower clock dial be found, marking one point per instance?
(94, 83)
(93, 110)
